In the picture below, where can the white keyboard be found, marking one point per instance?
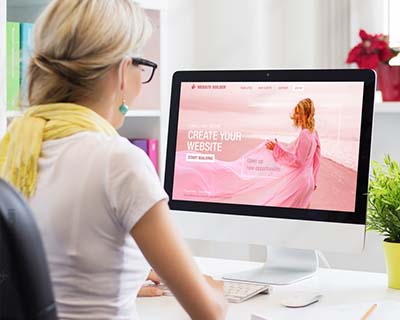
(234, 291)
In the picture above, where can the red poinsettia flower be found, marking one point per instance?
(372, 50)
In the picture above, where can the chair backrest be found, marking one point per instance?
(25, 286)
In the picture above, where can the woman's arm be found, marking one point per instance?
(166, 252)
(299, 154)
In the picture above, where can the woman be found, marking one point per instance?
(302, 155)
(284, 178)
(96, 198)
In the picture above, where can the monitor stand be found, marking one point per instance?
(283, 266)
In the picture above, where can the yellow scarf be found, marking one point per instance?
(21, 146)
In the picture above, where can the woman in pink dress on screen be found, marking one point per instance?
(302, 155)
(286, 176)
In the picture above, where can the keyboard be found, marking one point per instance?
(234, 291)
(237, 292)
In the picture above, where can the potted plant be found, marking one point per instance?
(384, 213)
(374, 52)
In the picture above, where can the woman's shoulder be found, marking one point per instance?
(309, 132)
(117, 143)
(101, 145)
(122, 147)
(308, 135)
(125, 156)
(306, 132)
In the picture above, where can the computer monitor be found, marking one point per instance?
(272, 157)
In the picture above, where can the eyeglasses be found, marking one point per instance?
(148, 68)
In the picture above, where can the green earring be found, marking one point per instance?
(123, 108)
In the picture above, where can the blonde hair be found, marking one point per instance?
(77, 41)
(306, 108)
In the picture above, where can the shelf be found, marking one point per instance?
(387, 107)
(143, 114)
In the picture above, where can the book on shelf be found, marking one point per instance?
(19, 49)
(140, 143)
(13, 65)
(150, 147)
(153, 151)
(26, 36)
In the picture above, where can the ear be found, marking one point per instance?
(123, 69)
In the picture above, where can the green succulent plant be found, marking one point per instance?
(384, 199)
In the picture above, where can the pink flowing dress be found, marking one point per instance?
(304, 157)
(285, 177)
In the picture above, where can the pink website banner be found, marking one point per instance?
(221, 144)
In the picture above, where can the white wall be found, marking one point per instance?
(254, 34)
(180, 37)
(229, 34)
(369, 15)
(232, 34)
(271, 34)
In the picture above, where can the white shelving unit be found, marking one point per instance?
(148, 118)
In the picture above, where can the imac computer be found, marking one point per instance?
(272, 157)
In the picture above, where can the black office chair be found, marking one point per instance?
(25, 287)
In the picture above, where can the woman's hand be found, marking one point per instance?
(216, 284)
(150, 291)
(270, 145)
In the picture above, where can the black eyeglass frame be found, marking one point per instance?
(145, 62)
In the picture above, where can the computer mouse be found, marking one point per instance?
(301, 300)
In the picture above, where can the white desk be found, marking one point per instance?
(338, 287)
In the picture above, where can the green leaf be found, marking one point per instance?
(384, 199)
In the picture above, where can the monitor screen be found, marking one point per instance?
(276, 144)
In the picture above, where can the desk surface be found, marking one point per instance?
(339, 288)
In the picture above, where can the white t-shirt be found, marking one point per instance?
(92, 189)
